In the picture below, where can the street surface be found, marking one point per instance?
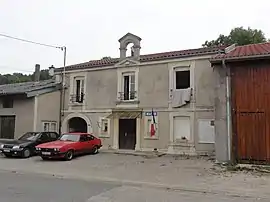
(112, 177)
(16, 187)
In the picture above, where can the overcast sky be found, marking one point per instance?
(91, 28)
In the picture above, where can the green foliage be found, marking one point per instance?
(19, 77)
(239, 36)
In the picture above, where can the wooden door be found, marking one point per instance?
(127, 133)
(7, 127)
(251, 112)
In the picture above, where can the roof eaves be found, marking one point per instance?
(239, 58)
(143, 60)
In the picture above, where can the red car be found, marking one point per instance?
(69, 145)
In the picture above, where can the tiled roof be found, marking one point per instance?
(147, 58)
(26, 87)
(246, 51)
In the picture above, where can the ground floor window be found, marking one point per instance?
(49, 126)
(181, 128)
(104, 127)
(7, 127)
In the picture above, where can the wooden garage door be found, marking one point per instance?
(251, 112)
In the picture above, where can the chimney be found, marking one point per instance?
(37, 73)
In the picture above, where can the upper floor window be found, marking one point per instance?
(182, 79)
(78, 90)
(128, 86)
(7, 102)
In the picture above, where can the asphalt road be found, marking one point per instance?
(15, 187)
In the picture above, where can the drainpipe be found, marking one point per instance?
(228, 109)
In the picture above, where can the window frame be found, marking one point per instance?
(79, 93)
(50, 126)
(101, 132)
(180, 69)
(131, 86)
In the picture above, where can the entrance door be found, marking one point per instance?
(7, 127)
(127, 133)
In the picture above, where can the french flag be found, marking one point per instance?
(153, 125)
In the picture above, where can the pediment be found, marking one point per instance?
(127, 62)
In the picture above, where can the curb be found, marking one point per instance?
(136, 183)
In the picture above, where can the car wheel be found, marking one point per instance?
(26, 153)
(69, 155)
(95, 150)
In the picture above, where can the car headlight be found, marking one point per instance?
(1, 146)
(56, 149)
(16, 147)
(38, 148)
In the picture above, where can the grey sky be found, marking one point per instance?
(91, 28)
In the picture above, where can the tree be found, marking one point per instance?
(239, 36)
(19, 77)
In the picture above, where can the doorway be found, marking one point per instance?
(77, 124)
(127, 134)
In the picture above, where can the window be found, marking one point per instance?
(53, 126)
(44, 137)
(182, 79)
(104, 127)
(78, 90)
(53, 135)
(129, 86)
(46, 127)
(7, 102)
(49, 126)
(84, 138)
(90, 137)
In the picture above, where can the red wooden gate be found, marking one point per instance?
(251, 112)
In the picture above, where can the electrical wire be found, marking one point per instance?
(33, 42)
(15, 69)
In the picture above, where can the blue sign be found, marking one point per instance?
(150, 113)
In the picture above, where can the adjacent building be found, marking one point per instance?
(29, 106)
(242, 97)
(118, 99)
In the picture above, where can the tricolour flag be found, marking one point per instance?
(153, 124)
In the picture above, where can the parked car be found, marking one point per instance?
(69, 145)
(25, 145)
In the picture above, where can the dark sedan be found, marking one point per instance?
(25, 145)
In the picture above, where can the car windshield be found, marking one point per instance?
(31, 136)
(70, 137)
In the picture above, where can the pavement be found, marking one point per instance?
(149, 176)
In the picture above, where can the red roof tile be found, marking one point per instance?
(148, 58)
(246, 51)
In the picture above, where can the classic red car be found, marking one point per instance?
(69, 145)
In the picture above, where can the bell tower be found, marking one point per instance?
(135, 49)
